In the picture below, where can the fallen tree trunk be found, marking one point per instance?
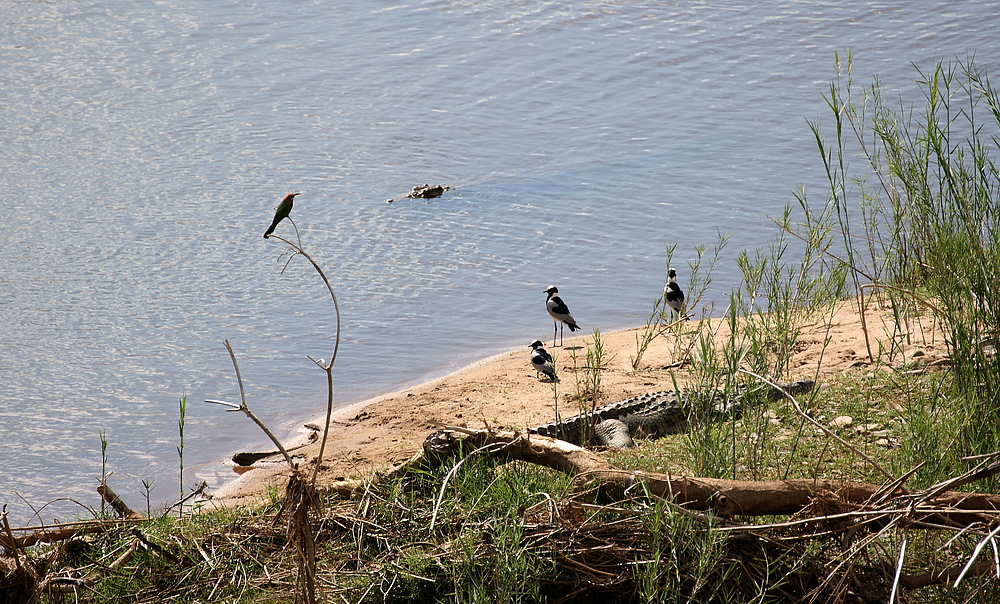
(725, 498)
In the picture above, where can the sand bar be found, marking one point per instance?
(502, 390)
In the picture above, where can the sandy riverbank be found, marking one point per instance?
(503, 391)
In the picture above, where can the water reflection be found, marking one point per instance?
(145, 148)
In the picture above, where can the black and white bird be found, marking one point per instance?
(672, 293)
(541, 360)
(559, 313)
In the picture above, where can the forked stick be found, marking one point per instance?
(246, 410)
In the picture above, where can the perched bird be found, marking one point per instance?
(559, 313)
(672, 293)
(541, 360)
(284, 209)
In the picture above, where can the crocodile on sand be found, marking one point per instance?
(654, 414)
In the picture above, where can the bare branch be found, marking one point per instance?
(117, 503)
(246, 410)
(7, 540)
(975, 554)
(232, 406)
(327, 367)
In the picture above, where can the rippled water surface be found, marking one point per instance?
(145, 145)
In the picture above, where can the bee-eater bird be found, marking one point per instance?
(559, 313)
(284, 209)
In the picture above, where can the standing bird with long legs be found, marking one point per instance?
(672, 293)
(541, 360)
(281, 213)
(559, 313)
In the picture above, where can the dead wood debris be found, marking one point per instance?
(834, 540)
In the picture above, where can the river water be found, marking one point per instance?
(145, 145)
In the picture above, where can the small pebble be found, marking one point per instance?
(841, 421)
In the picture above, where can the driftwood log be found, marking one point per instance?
(941, 504)
(117, 503)
(60, 532)
(724, 498)
(30, 536)
(829, 506)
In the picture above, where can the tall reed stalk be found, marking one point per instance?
(181, 421)
(929, 210)
(104, 463)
